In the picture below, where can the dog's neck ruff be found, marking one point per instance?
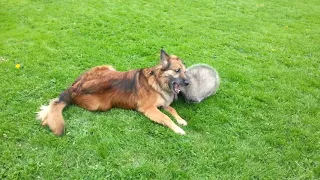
(168, 98)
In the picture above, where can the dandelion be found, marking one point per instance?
(18, 66)
(287, 26)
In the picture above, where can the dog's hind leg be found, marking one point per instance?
(88, 101)
(174, 113)
(157, 116)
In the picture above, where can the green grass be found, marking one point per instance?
(262, 124)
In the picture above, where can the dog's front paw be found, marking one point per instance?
(182, 122)
(179, 131)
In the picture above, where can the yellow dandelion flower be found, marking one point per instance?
(18, 66)
(287, 26)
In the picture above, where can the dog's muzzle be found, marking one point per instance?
(177, 83)
(186, 82)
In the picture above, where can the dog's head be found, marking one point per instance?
(170, 73)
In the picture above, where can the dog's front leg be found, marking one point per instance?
(174, 113)
(157, 116)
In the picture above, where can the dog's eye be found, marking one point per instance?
(177, 70)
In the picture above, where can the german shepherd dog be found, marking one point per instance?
(143, 90)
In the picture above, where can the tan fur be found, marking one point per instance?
(103, 88)
(51, 115)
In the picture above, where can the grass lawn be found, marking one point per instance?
(264, 122)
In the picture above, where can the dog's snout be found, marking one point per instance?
(186, 82)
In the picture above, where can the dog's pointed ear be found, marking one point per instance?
(164, 57)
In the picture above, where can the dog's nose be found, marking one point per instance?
(186, 82)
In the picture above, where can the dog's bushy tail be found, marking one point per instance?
(51, 115)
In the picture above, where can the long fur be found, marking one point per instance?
(102, 88)
(204, 81)
(51, 115)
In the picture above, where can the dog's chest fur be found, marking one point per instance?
(165, 99)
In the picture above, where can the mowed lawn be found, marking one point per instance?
(264, 122)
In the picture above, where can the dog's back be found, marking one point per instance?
(204, 81)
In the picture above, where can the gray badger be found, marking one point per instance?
(204, 81)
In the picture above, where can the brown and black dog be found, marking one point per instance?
(103, 88)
